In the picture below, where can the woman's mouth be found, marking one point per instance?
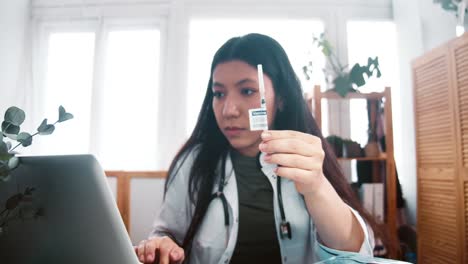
(233, 131)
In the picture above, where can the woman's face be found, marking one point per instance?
(235, 91)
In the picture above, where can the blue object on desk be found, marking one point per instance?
(359, 259)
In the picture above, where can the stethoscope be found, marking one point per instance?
(284, 227)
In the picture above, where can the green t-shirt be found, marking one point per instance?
(257, 241)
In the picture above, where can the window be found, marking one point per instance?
(207, 35)
(111, 91)
(68, 82)
(128, 127)
(370, 39)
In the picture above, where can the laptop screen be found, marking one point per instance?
(59, 209)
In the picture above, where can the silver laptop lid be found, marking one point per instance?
(80, 221)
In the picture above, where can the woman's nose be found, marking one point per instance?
(230, 108)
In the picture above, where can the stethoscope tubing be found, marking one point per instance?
(285, 227)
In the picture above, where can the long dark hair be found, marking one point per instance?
(212, 146)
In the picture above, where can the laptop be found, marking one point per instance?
(67, 214)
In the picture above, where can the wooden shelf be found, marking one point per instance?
(389, 173)
(357, 95)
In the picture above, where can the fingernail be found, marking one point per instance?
(266, 135)
(267, 157)
(262, 146)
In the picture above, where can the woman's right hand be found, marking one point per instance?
(162, 250)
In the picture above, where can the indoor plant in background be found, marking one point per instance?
(338, 77)
(12, 208)
(459, 7)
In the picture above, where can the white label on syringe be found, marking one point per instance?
(258, 119)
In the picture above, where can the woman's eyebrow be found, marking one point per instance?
(244, 81)
(238, 83)
(218, 84)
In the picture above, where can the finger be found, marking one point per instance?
(165, 248)
(291, 146)
(298, 175)
(268, 135)
(295, 161)
(150, 250)
(141, 251)
(177, 255)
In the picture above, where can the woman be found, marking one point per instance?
(222, 206)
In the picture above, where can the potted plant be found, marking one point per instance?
(339, 78)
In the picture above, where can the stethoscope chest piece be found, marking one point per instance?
(285, 230)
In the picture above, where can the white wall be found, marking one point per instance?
(406, 15)
(14, 22)
(438, 25)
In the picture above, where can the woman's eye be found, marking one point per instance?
(247, 91)
(218, 94)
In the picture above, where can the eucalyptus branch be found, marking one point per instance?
(10, 127)
(21, 143)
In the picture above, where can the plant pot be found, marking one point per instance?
(372, 149)
(336, 144)
(351, 149)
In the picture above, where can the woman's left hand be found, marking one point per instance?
(299, 157)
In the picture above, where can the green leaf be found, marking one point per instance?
(448, 5)
(13, 163)
(24, 138)
(373, 65)
(15, 115)
(63, 115)
(307, 71)
(342, 85)
(356, 75)
(45, 129)
(9, 128)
